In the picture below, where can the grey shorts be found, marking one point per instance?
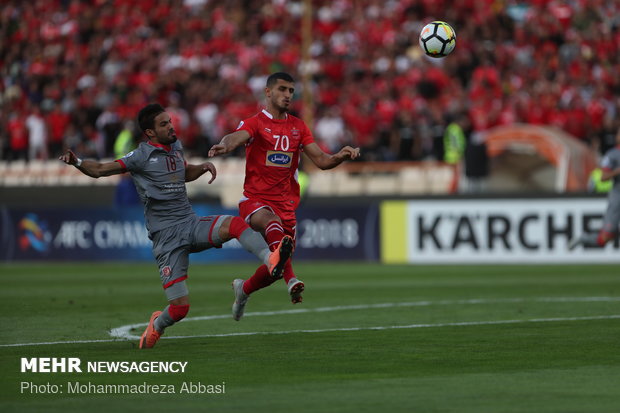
(172, 246)
(612, 215)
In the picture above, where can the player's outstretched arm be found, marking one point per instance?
(193, 172)
(91, 168)
(229, 143)
(327, 161)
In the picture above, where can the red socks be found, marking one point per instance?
(178, 312)
(262, 278)
(288, 272)
(603, 237)
(273, 234)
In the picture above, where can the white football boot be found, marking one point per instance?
(241, 299)
(295, 288)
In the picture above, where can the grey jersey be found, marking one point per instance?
(159, 176)
(611, 160)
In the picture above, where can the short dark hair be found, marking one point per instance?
(273, 78)
(147, 115)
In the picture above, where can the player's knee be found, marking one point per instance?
(236, 226)
(271, 218)
(262, 218)
(178, 312)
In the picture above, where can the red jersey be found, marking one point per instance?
(272, 156)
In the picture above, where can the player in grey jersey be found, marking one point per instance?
(159, 171)
(610, 165)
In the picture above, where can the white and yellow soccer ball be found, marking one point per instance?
(437, 39)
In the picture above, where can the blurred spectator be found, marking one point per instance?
(454, 140)
(405, 142)
(57, 123)
(37, 135)
(206, 114)
(108, 126)
(18, 137)
(476, 162)
(596, 184)
(330, 130)
(126, 193)
(180, 119)
(4, 137)
(125, 141)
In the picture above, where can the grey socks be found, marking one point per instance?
(253, 242)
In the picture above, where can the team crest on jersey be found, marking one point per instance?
(279, 158)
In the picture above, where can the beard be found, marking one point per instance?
(283, 108)
(171, 138)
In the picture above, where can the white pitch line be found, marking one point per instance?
(48, 343)
(326, 330)
(409, 326)
(122, 333)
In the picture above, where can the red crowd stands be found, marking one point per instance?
(89, 65)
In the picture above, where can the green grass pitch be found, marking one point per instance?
(368, 338)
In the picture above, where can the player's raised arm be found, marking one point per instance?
(92, 168)
(229, 143)
(327, 161)
(193, 172)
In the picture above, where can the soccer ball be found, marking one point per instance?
(437, 39)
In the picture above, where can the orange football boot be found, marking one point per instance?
(150, 335)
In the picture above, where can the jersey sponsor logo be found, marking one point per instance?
(268, 130)
(129, 154)
(295, 133)
(166, 271)
(153, 160)
(278, 158)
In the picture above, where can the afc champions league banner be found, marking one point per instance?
(439, 231)
(67, 234)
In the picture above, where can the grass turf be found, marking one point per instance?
(566, 361)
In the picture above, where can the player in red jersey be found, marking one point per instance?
(273, 142)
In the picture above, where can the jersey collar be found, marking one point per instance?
(166, 148)
(270, 116)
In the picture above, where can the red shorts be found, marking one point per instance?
(249, 206)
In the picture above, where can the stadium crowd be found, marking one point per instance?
(75, 71)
